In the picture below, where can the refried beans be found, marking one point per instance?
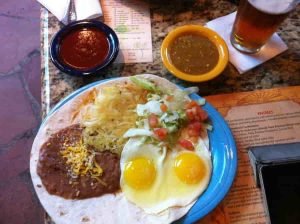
(54, 171)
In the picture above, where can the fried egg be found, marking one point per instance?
(156, 178)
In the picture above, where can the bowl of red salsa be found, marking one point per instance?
(84, 47)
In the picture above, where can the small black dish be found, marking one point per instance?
(111, 36)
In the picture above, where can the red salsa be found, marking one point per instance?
(84, 48)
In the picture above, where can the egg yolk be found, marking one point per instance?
(189, 168)
(139, 173)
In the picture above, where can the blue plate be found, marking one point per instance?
(224, 159)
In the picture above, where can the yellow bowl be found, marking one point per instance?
(212, 36)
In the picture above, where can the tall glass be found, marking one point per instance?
(256, 21)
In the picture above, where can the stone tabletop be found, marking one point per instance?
(283, 70)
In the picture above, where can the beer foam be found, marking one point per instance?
(274, 6)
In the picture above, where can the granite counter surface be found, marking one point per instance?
(283, 70)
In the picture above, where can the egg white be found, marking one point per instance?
(167, 190)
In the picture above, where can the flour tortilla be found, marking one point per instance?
(109, 208)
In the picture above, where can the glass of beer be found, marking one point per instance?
(256, 21)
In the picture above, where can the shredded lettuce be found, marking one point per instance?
(153, 96)
(171, 127)
(208, 127)
(201, 101)
(151, 107)
(191, 90)
(172, 120)
(182, 115)
(149, 140)
(145, 84)
(180, 98)
(132, 132)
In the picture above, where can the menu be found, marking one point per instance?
(261, 117)
(130, 19)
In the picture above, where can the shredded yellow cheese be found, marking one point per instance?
(81, 161)
(111, 115)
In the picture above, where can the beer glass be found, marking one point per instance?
(256, 21)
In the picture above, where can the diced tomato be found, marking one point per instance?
(191, 104)
(198, 109)
(197, 118)
(161, 133)
(153, 121)
(163, 107)
(193, 133)
(186, 144)
(195, 125)
(190, 115)
(170, 98)
(203, 115)
(194, 129)
(194, 112)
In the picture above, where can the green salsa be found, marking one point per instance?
(193, 53)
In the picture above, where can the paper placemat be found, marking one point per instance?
(131, 21)
(255, 118)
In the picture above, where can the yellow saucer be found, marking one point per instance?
(212, 36)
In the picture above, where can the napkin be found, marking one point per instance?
(87, 9)
(84, 9)
(245, 62)
(59, 8)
